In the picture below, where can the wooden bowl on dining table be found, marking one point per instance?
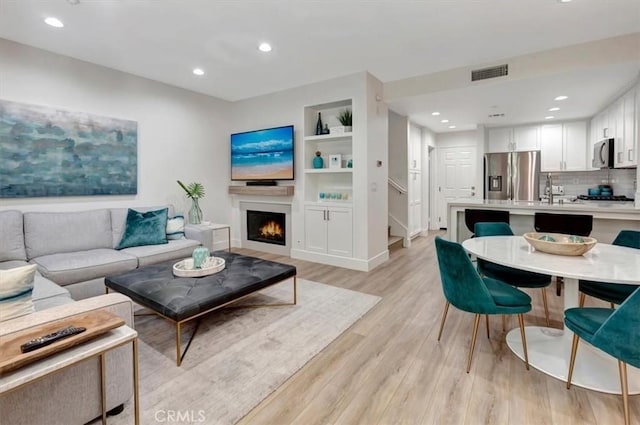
(562, 244)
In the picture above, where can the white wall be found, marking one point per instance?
(181, 134)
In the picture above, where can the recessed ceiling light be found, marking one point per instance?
(435, 114)
(549, 117)
(264, 47)
(452, 126)
(198, 71)
(564, 1)
(561, 97)
(553, 109)
(444, 121)
(54, 22)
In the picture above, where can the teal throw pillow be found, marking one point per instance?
(144, 228)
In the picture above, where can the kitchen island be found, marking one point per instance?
(608, 217)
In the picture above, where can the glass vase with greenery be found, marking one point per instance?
(195, 191)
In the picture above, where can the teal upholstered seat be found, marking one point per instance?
(514, 277)
(616, 332)
(465, 289)
(611, 292)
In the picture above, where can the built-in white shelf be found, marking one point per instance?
(327, 170)
(326, 137)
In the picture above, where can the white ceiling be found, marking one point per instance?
(317, 40)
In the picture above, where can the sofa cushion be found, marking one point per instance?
(175, 228)
(16, 292)
(73, 267)
(58, 232)
(174, 250)
(11, 236)
(119, 220)
(144, 228)
(47, 294)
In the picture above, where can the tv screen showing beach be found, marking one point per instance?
(262, 154)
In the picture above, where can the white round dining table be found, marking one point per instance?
(549, 349)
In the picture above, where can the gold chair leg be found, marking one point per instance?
(487, 321)
(546, 306)
(622, 366)
(583, 297)
(572, 360)
(612, 305)
(524, 340)
(444, 317)
(473, 341)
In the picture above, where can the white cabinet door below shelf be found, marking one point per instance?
(315, 229)
(551, 148)
(340, 232)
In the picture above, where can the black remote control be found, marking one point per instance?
(43, 341)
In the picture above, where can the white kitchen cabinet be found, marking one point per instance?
(626, 140)
(576, 146)
(329, 230)
(507, 139)
(564, 147)
(526, 138)
(500, 139)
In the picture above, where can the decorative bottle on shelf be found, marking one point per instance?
(318, 162)
(319, 125)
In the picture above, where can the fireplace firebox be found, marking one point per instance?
(265, 226)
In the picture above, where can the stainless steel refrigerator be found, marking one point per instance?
(512, 175)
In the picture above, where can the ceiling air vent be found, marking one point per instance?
(492, 72)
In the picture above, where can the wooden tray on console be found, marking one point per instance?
(97, 322)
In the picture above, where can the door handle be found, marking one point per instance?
(630, 152)
(473, 194)
(473, 188)
(324, 215)
(328, 215)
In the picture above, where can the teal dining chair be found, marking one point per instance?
(514, 277)
(614, 331)
(612, 292)
(466, 290)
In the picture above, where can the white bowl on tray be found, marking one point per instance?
(562, 244)
(185, 267)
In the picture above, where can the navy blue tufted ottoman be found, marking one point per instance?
(180, 299)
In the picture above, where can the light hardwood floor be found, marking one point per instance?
(388, 368)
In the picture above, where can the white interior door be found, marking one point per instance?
(456, 178)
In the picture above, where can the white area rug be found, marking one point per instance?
(238, 356)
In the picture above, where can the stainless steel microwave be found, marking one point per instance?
(603, 154)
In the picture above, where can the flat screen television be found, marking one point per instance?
(263, 154)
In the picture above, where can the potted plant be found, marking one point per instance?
(345, 117)
(194, 191)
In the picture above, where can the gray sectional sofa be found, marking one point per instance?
(74, 251)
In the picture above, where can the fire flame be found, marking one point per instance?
(271, 230)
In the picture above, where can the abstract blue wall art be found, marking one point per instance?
(46, 151)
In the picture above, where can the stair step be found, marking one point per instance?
(393, 240)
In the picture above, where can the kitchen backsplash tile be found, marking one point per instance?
(578, 182)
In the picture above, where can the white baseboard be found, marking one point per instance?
(337, 261)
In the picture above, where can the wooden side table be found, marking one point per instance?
(98, 346)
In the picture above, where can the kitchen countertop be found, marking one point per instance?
(608, 217)
(586, 206)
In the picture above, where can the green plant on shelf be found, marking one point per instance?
(345, 117)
